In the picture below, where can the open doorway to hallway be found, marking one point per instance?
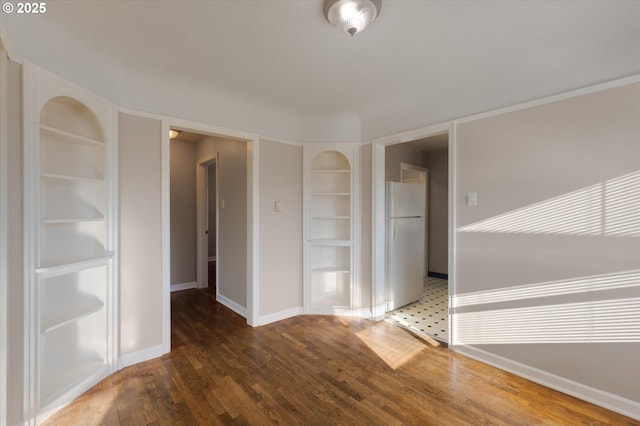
(425, 161)
(208, 216)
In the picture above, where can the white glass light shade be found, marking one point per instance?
(351, 16)
(173, 133)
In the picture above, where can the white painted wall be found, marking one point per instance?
(232, 188)
(559, 183)
(183, 211)
(139, 160)
(280, 292)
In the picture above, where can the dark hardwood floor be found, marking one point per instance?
(314, 370)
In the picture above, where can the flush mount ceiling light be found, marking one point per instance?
(351, 16)
(173, 133)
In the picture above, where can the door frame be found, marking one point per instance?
(378, 214)
(253, 149)
(202, 219)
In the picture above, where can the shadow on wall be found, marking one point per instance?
(546, 313)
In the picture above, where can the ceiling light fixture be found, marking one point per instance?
(173, 133)
(351, 16)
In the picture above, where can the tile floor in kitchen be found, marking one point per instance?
(429, 314)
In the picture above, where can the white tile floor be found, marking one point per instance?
(429, 314)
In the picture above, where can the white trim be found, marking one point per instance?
(378, 206)
(211, 259)
(240, 310)
(279, 316)
(165, 177)
(193, 126)
(202, 213)
(604, 399)
(451, 279)
(183, 286)
(253, 231)
(140, 356)
(29, 230)
(553, 98)
(4, 227)
(378, 312)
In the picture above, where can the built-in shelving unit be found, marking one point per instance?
(329, 231)
(70, 196)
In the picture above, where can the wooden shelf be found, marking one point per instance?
(71, 178)
(50, 266)
(70, 137)
(53, 320)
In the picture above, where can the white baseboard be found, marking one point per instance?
(240, 310)
(379, 312)
(604, 399)
(126, 360)
(212, 259)
(279, 316)
(183, 286)
(364, 313)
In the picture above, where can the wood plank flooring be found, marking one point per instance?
(314, 370)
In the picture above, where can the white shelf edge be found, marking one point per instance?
(76, 138)
(71, 178)
(72, 264)
(330, 217)
(47, 221)
(330, 194)
(329, 242)
(331, 269)
(330, 171)
(54, 320)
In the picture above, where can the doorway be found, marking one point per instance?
(426, 160)
(207, 223)
(236, 185)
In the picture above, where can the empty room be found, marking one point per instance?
(320, 212)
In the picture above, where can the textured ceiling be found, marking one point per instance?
(419, 63)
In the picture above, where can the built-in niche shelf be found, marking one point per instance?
(70, 191)
(53, 320)
(53, 134)
(329, 234)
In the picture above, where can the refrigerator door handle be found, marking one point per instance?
(394, 231)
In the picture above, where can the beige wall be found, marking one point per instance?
(401, 153)
(437, 163)
(139, 164)
(280, 232)
(232, 239)
(557, 189)
(14, 259)
(183, 212)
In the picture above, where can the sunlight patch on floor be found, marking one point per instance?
(393, 345)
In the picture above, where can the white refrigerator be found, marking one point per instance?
(405, 243)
